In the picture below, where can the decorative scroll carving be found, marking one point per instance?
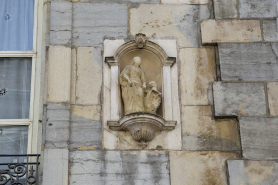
(140, 40)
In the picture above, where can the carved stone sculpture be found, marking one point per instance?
(135, 96)
(140, 39)
(141, 102)
(152, 98)
(133, 82)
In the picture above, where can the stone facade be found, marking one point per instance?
(224, 86)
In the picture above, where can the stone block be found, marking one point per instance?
(57, 125)
(93, 22)
(270, 31)
(86, 130)
(60, 38)
(57, 134)
(111, 46)
(202, 168)
(121, 1)
(55, 166)
(58, 114)
(61, 23)
(225, 9)
(254, 62)
(259, 137)
(168, 45)
(89, 76)
(182, 22)
(44, 122)
(45, 78)
(185, 1)
(86, 134)
(87, 112)
(201, 132)
(239, 99)
(59, 72)
(197, 75)
(252, 172)
(73, 77)
(257, 8)
(272, 89)
(117, 168)
(61, 16)
(222, 31)
(47, 10)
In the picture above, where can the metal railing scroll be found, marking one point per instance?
(22, 171)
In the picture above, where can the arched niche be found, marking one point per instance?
(159, 63)
(156, 65)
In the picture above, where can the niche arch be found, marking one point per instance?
(148, 51)
(153, 56)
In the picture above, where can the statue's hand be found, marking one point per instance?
(130, 83)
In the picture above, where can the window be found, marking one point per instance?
(17, 25)
(20, 69)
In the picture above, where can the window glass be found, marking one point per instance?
(13, 139)
(16, 20)
(15, 87)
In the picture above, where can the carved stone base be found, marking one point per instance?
(142, 125)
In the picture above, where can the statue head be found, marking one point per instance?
(136, 61)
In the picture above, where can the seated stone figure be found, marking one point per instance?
(152, 98)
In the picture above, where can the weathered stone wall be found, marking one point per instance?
(228, 82)
(246, 35)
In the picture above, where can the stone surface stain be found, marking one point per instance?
(258, 171)
(84, 147)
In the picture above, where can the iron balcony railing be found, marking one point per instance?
(22, 171)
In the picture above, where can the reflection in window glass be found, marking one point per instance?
(17, 22)
(13, 140)
(15, 86)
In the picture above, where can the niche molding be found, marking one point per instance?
(159, 58)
